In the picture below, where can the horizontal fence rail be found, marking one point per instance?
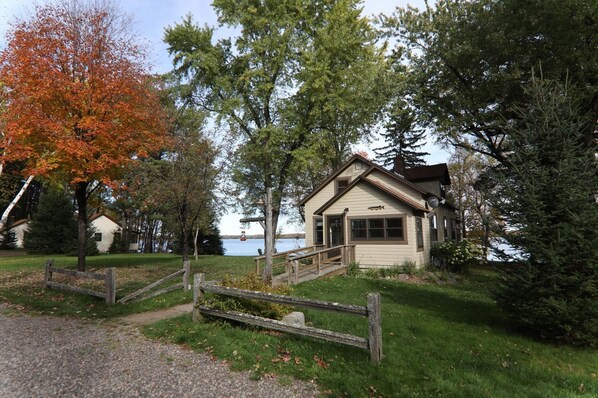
(279, 256)
(109, 278)
(372, 312)
(281, 299)
(319, 258)
(143, 293)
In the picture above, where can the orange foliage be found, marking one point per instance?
(79, 104)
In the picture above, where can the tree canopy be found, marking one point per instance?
(403, 137)
(79, 102)
(468, 63)
(300, 84)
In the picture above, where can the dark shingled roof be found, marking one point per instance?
(432, 172)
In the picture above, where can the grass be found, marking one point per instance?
(21, 282)
(439, 341)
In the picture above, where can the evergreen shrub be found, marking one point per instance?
(53, 229)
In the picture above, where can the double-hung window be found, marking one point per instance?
(377, 229)
(419, 229)
(318, 231)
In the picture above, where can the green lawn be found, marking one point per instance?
(439, 341)
(21, 282)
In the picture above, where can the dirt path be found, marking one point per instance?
(55, 357)
(145, 318)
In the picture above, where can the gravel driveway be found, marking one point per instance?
(55, 357)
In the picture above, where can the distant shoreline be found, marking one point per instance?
(261, 236)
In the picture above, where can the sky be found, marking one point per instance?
(151, 17)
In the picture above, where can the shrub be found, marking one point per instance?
(389, 272)
(455, 257)
(118, 244)
(53, 228)
(372, 273)
(353, 269)
(407, 267)
(253, 307)
(410, 268)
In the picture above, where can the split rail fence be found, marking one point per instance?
(372, 312)
(144, 293)
(109, 278)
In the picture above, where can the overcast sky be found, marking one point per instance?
(151, 17)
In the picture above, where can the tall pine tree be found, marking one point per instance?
(403, 137)
(547, 195)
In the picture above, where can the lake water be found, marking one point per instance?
(236, 247)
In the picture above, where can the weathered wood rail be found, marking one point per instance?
(109, 278)
(344, 255)
(144, 293)
(372, 312)
(281, 259)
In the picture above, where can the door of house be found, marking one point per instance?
(336, 236)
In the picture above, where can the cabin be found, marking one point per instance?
(385, 216)
(104, 229)
(19, 228)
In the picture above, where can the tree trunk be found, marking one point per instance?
(185, 244)
(81, 198)
(183, 219)
(14, 202)
(195, 251)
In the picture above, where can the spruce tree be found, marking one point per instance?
(210, 242)
(403, 137)
(547, 194)
(53, 228)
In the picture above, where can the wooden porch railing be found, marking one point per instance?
(280, 260)
(345, 254)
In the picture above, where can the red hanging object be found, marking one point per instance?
(243, 237)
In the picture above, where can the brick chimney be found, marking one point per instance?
(399, 165)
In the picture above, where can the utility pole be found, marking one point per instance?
(266, 223)
(269, 243)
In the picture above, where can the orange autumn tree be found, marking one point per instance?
(79, 102)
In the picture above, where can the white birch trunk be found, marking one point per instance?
(14, 202)
(195, 243)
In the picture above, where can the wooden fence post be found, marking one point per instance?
(48, 272)
(374, 327)
(198, 279)
(319, 262)
(187, 268)
(110, 286)
(296, 271)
